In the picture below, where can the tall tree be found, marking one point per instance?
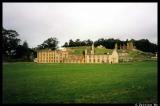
(78, 42)
(89, 42)
(25, 44)
(23, 52)
(50, 43)
(26, 50)
(66, 44)
(9, 42)
(83, 43)
(71, 43)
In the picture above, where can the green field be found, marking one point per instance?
(80, 83)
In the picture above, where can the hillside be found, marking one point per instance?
(140, 55)
(77, 50)
(135, 54)
(81, 49)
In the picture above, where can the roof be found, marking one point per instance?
(44, 50)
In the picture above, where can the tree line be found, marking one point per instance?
(13, 50)
(142, 44)
(77, 43)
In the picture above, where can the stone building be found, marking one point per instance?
(103, 58)
(59, 56)
(130, 46)
(49, 56)
(124, 57)
(100, 46)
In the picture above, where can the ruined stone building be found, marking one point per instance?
(129, 46)
(59, 56)
(103, 58)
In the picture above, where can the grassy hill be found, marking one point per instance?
(77, 50)
(140, 55)
(103, 51)
(137, 55)
(81, 49)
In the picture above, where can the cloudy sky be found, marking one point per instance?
(35, 22)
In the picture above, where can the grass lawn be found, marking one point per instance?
(80, 83)
(80, 50)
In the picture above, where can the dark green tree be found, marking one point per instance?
(24, 53)
(50, 43)
(77, 42)
(71, 43)
(83, 43)
(9, 43)
(25, 44)
(26, 50)
(145, 45)
(66, 44)
(89, 42)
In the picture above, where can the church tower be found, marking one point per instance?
(116, 46)
(92, 49)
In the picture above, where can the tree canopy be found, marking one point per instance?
(77, 43)
(10, 41)
(12, 50)
(50, 43)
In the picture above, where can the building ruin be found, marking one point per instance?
(59, 56)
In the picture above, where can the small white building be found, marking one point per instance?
(62, 49)
(100, 46)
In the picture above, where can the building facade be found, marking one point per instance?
(59, 56)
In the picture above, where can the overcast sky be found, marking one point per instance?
(35, 22)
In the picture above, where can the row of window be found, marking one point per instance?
(97, 56)
(97, 60)
(57, 61)
(50, 56)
